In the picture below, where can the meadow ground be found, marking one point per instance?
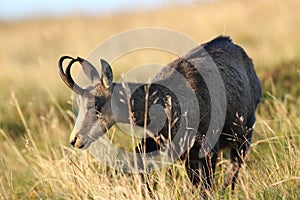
(36, 161)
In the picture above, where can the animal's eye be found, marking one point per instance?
(91, 105)
(99, 103)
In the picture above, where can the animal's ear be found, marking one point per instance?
(106, 74)
(90, 71)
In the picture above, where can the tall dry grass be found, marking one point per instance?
(43, 166)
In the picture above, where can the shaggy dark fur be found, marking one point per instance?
(242, 95)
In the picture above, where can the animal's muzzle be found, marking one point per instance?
(77, 142)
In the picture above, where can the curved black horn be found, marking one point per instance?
(89, 70)
(66, 77)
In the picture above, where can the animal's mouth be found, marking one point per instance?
(84, 145)
(82, 142)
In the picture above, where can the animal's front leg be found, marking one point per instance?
(146, 145)
(201, 170)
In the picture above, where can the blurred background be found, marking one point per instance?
(34, 34)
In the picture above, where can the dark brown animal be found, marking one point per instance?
(132, 101)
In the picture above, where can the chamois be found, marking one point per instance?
(242, 95)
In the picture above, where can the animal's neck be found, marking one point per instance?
(131, 101)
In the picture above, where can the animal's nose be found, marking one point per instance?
(73, 138)
(72, 142)
(76, 141)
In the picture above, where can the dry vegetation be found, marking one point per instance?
(36, 161)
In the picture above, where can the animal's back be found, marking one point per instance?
(243, 89)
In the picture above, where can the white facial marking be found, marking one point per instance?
(82, 106)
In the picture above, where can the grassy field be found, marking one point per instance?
(36, 161)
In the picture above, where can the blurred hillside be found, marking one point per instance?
(29, 50)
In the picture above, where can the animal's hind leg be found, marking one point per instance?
(236, 160)
(237, 156)
(201, 170)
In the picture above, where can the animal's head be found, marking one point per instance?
(94, 102)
